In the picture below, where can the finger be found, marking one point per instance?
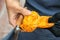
(26, 12)
(23, 11)
(19, 20)
(12, 19)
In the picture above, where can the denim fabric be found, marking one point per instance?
(38, 34)
(46, 7)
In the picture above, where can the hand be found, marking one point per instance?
(14, 9)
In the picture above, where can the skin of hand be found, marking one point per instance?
(14, 9)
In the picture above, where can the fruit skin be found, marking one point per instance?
(34, 20)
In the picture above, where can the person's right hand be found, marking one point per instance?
(13, 8)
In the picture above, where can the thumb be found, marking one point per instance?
(19, 20)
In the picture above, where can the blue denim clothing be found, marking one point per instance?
(46, 7)
(38, 34)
